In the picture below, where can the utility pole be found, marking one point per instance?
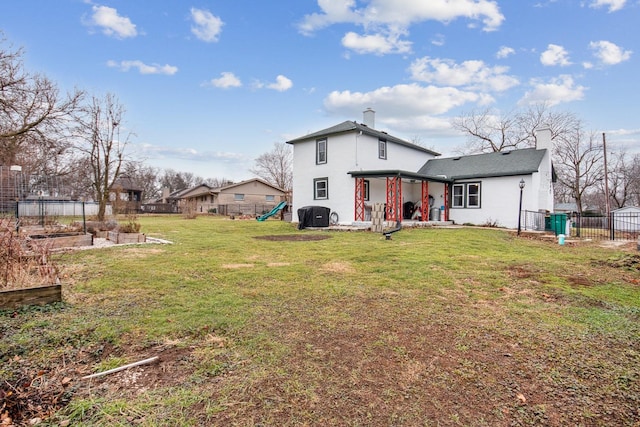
(606, 174)
(606, 186)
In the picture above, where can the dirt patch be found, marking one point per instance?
(580, 281)
(370, 360)
(30, 394)
(626, 261)
(338, 267)
(232, 266)
(294, 237)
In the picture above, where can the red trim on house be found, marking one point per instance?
(424, 209)
(394, 198)
(445, 214)
(359, 200)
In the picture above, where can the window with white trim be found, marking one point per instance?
(321, 151)
(382, 149)
(466, 195)
(270, 198)
(238, 197)
(473, 195)
(321, 188)
(457, 196)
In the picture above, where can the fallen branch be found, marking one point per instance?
(122, 368)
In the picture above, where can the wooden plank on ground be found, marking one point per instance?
(17, 298)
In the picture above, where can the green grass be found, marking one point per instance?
(436, 326)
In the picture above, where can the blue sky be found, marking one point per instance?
(210, 85)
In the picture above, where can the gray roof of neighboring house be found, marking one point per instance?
(235, 184)
(351, 126)
(505, 163)
(126, 183)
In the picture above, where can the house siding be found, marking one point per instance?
(346, 152)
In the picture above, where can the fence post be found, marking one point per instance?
(612, 232)
(17, 215)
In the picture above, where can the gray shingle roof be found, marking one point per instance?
(507, 163)
(350, 126)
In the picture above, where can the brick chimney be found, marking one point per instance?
(369, 118)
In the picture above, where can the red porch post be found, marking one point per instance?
(425, 201)
(394, 198)
(445, 214)
(359, 200)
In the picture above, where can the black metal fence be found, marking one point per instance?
(244, 209)
(615, 226)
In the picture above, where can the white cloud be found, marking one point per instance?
(207, 27)
(608, 53)
(438, 40)
(555, 55)
(556, 91)
(469, 74)
(226, 80)
(383, 20)
(402, 13)
(400, 100)
(143, 68)
(111, 23)
(504, 52)
(613, 5)
(375, 43)
(281, 84)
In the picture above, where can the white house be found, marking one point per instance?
(351, 166)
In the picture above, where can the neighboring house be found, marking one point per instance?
(351, 166)
(125, 195)
(627, 219)
(567, 208)
(250, 197)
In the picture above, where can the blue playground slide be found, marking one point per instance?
(274, 211)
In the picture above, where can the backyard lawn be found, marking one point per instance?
(261, 324)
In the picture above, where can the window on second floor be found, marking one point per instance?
(321, 151)
(382, 149)
(238, 197)
(270, 198)
(321, 188)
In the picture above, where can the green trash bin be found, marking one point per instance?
(558, 223)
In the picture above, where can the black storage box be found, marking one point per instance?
(313, 216)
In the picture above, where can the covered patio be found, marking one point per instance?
(398, 186)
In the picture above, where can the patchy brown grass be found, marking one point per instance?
(353, 330)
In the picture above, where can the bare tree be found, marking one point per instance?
(174, 180)
(99, 139)
(623, 178)
(144, 176)
(276, 166)
(579, 162)
(34, 117)
(217, 182)
(489, 131)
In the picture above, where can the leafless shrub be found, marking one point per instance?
(130, 226)
(23, 263)
(189, 210)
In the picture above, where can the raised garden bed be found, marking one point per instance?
(63, 240)
(42, 295)
(119, 238)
